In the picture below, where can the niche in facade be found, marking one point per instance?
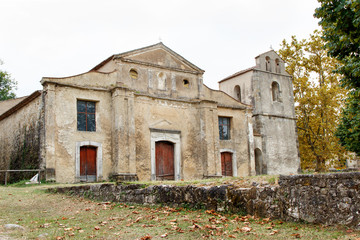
(237, 91)
(161, 77)
(186, 83)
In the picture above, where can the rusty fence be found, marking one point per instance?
(24, 170)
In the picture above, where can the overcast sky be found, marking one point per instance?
(58, 38)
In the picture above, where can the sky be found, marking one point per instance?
(59, 38)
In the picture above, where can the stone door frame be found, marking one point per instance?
(99, 160)
(234, 163)
(172, 136)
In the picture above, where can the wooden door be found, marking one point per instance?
(164, 160)
(226, 164)
(88, 163)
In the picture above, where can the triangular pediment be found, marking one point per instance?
(161, 123)
(159, 55)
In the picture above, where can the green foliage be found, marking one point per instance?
(318, 100)
(349, 128)
(340, 21)
(7, 85)
(25, 154)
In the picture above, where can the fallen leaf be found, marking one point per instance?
(146, 237)
(296, 235)
(164, 235)
(96, 228)
(245, 229)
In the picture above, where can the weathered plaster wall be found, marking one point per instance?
(238, 143)
(20, 138)
(63, 136)
(327, 199)
(279, 144)
(244, 82)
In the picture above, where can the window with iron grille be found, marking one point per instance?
(86, 116)
(224, 128)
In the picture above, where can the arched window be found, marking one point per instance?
(275, 88)
(267, 63)
(277, 65)
(237, 92)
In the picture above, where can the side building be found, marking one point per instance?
(269, 89)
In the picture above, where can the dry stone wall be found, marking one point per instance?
(327, 199)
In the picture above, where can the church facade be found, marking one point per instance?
(146, 114)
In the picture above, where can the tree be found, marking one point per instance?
(340, 21)
(317, 100)
(7, 85)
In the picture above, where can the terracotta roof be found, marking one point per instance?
(237, 74)
(23, 101)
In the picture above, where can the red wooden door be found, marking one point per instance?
(226, 164)
(164, 160)
(88, 163)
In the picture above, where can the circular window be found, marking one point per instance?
(133, 74)
(186, 83)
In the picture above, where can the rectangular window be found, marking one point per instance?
(86, 116)
(224, 128)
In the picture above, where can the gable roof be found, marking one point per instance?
(23, 101)
(237, 74)
(159, 46)
(7, 104)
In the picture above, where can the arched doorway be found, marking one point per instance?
(88, 163)
(259, 165)
(226, 164)
(164, 160)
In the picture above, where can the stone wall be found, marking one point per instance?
(21, 129)
(327, 199)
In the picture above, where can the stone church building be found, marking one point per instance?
(146, 114)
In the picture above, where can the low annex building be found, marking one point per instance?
(146, 114)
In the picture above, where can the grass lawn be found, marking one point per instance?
(56, 216)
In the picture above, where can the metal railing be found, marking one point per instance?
(24, 170)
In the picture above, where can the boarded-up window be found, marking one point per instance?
(86, 116)
(224, 128)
